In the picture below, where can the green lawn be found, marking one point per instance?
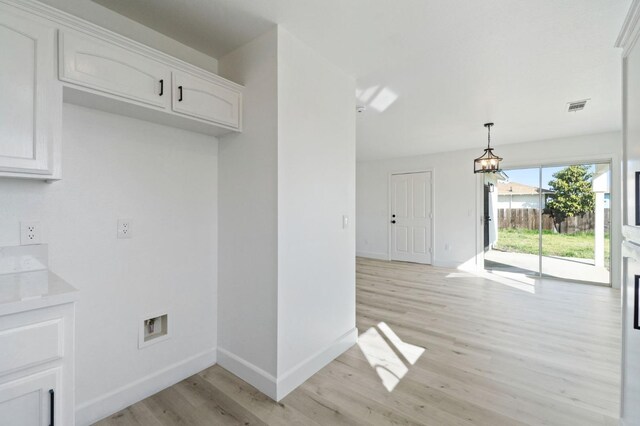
(565, 245)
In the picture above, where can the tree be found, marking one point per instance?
(572, 194)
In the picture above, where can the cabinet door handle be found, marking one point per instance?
(161, 87)
(52, 409)
(179, 93)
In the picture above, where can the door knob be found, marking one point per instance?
(393, 221)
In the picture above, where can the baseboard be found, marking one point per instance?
(369, 255)
(277, 389)
(310, 366)
(453, 264)
(248, 372)
(98, 408)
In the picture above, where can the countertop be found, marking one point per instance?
(25, 291)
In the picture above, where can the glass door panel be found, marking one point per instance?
(511, 221)
(575, 242)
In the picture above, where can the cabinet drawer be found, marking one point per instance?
(112, 69)
(206, 100)
(31, 344)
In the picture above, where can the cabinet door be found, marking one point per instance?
(112, 69)
(205, 100)
(27, 86)
(31, 401)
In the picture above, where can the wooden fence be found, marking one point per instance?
(528, 219)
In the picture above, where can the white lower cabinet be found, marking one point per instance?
(33, 400)
(37, 366)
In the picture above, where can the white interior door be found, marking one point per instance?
(411, 216)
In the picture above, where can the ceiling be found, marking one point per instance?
(431, 72)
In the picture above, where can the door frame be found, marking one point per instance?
(433, 208)
(615, 273)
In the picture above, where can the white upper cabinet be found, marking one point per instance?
(48, 56)
(109, 68)
(206, 100)
(105, 71)
(30, 103)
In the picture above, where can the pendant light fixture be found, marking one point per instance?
(487, 162)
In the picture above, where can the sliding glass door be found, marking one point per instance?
(514, 200)
(575, 235)
(550, 221)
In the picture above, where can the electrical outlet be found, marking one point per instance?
(30, 233)
(124, 229)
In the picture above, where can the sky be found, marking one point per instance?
(531, 176)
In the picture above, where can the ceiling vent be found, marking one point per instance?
(577, 105)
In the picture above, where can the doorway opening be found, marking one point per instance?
(550, 221)
(411, 217)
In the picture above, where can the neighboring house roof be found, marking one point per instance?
(515, 188)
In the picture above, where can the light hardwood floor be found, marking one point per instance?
(489, 352)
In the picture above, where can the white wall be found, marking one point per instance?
(316, 187)
(165, 181)
(248, 216)
(454, 205)
(457, 193)
(287, 277)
